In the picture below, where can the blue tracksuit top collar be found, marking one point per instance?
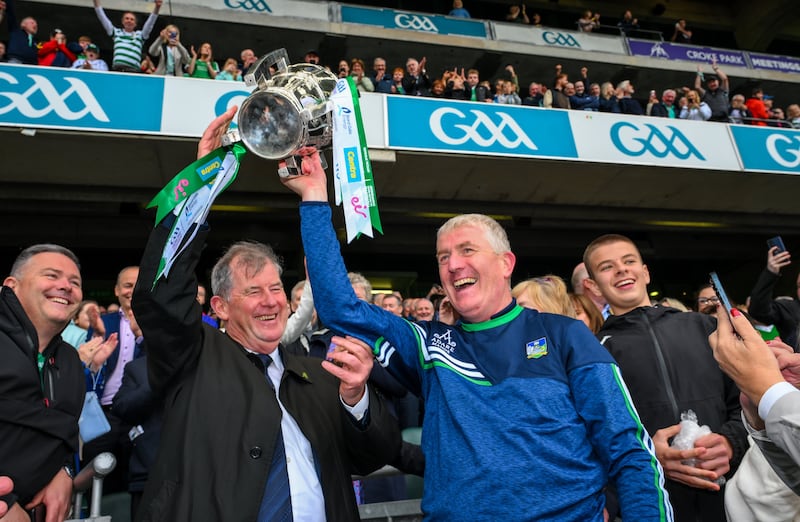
(502, 317)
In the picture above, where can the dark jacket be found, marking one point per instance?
(97, 382)
(783, 313)
(417, 85)
(137, 405)
(38, 415)
(382, 84)
(630, 106)
(610, 105)
(221, 418)
(669, 368)
(20, 46)
(560, 100)
(659, 110)
(533, 101)
(585, 102)
(481, 92)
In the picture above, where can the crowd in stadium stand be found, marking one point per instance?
(706, 97)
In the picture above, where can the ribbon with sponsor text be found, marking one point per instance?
(353, 183)
(189, 195)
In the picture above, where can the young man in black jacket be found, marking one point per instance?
(669, 368)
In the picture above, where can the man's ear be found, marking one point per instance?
(510, 260)
(591, 285)
(646, 273)
(220, 306)
(10, 282)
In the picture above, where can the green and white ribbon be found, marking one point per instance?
(189, 195)
(353, 183)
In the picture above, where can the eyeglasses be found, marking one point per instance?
(707, 300)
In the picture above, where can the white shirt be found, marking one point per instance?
(308, 502)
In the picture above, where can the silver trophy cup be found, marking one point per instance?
(289, 110)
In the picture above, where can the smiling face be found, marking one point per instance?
(126, 281)
(423, 310)
(256, 310)
(129, 22)
(707, 301)
(391, 303)
(475, 277)
(619, 276)
(49, 288)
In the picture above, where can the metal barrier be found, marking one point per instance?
(92, 477)
(648, 34)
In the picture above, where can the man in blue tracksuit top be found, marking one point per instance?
(526, 414)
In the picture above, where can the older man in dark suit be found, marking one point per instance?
(238, 444)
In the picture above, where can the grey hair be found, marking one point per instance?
(251, 255)
(357, 279)
(495, 234)
(43, 248)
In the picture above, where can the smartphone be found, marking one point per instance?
(776, 242)
(723, 297)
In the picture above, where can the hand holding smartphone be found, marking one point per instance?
(776, 242)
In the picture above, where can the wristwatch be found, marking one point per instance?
(70, 473)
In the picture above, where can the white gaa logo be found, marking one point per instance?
(780, 156)
(495, 133)
(415, 22)
(56, 102)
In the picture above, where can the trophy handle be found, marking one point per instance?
(259, 73)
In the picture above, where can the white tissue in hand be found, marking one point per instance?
(690, 432)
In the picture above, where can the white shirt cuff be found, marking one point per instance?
(771, 396)
(360, 409)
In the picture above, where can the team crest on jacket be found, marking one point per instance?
(443, 341)
(537, 348)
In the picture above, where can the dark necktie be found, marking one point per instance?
(276, 505)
